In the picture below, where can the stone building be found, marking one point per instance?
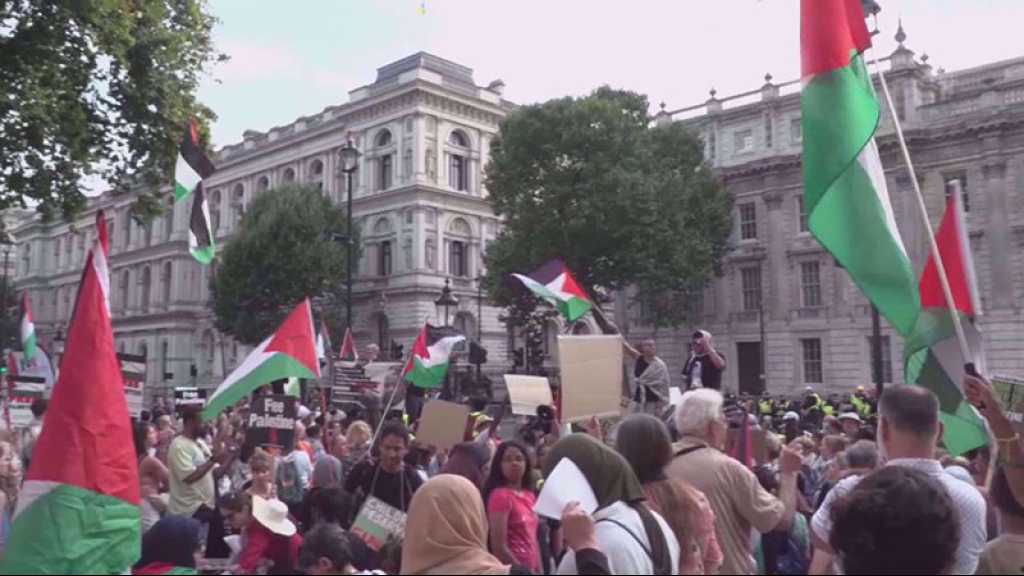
(966, 125)
(424, 129)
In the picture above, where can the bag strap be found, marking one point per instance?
(630, 532)
(690, 450)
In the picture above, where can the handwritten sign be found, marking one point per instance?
(378, 522)
(272, 421)
(591, 376)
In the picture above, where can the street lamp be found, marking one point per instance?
(445, 303)
(349, 155)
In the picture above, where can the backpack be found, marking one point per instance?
(289, 488)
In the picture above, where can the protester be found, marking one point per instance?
(898, 520)
(1005, 554)
(705, 366)
(509, 499)
(30, 434)
(171, 544)
(261, 467)
(328, 471)
(1010, 444)
(271, 540)
(471, 460)
(446, 533)
(386, 478)
(164, 437)
(10, 484)
(739, 502)
(192, 465)
(645, 443)
(316, 443)
(635, 539)
(851, 423)
(359, 436)
(153, 476)
(651, 385)
(908, 432)
(293, 474)
(325, 550)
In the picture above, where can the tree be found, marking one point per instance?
(588, 180)
(96, 89)
(286, 249)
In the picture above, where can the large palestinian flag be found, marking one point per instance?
(288, 353)
(190, 170)
(933, 355)
(429, 361)
(848, 205)
(28, 328)
(556, 284)
(78, 511)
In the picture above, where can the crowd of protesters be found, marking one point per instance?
(837, 484)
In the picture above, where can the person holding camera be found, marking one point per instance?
(705, 366)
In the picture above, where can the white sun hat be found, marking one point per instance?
(273, 515)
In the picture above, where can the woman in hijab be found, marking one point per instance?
(173, 542)
(471, 460)
(635, 539)
(446, 533)
(645, 443)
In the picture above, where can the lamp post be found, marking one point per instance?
(445, 303)
(349, 155)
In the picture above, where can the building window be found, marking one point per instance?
(796, 132)
(712, 145)
(237, 204)
(751, 284)
(145, 281)
(768, 129)
(384, 177)
(384, 262)
(457, 173)
(56, 252)
(743, 141)
(263, 184)
(886, 359)
(810, 281)
(457, 259)
(215, 211)
(383, 138)
(317, 169)
(289, 175)
(125, 279)
(801, 207)
(165, 353)
(169, 219)
(165, 283)
(127, 230)
(813, 372)
(748, 221)
(962, 178)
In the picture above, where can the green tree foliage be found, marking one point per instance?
(99, 88)
(290, 245)
(588, 180)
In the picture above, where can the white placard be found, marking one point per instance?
(443, 424)
(591, 376)
(526, 393)
(133, 394)
(565, 484)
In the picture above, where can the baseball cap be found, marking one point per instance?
(791, 416)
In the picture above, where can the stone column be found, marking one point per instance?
(998, 230)
(775, 264)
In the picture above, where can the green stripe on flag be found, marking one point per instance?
(205, 254)
(70, 530)
(276, 367)
(180, 192)
(574, 308)
(427, 376)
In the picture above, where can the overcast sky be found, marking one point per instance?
(290, 59)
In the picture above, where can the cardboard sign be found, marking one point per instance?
(38, 367)
(1010, 391)
(272, 421)
(442, 424)
(379, 522)
(189, 396)
(133, 372)
(526, 393)
(591, 376)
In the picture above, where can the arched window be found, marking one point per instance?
(457, 261)
(127, 230)
(460, 227)
(215, 199)
(124, 289)
(383, 138)
(382, 226)
(458, 138)
(458, 173)
(165, 283)
(165, 360)
(316, 168)
(263, 184)
(237, 203)
(385, 162)
(145, 282)
(289, 175)
(56, 252)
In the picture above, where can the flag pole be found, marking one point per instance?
(401, 382)
(934, 246)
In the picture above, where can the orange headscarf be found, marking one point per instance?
(446, 531)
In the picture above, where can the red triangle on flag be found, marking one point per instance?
(348, 347)
(953, 245)
(86, 440)
(296, 338)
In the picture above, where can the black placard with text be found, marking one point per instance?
(186, 396)
(272, 421)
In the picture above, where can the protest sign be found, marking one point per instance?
(591, 376)
(189, 396)
(22, 391)
(133, 372)
(272, 421)
(565, 484)
(442, 424)
(526, 393)
(38, 367)
(1010, 392)
(379, 522)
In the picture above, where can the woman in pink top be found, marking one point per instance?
(510, 500)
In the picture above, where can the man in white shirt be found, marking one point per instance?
(908, 432)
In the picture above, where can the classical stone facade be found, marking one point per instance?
(424, 129)
(966, 125)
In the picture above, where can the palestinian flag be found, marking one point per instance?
(349, 354)
(289, 352)
(78, 509)
(429, 361)
(556, 284)
(933, 356)
(28, 329)
(848, 205)
(189, 172)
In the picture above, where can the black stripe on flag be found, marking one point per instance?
(199, 223)
(194, 155)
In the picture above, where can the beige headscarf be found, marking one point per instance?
(446, 531)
